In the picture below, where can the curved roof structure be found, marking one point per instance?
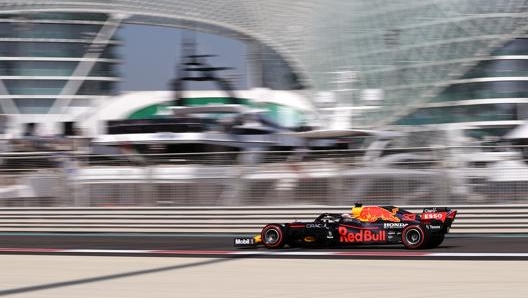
(409, 49)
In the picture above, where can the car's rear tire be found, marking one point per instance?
(414, 237)
(273, 236)
(436, 240)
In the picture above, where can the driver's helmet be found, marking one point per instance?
(356, 211)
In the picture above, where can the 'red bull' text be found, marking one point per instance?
(361, 236)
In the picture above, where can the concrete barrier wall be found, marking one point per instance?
(470, 218)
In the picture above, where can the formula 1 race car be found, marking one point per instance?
(365, 225)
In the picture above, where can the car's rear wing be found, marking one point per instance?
(442, 215)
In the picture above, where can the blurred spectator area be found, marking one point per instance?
(31, 150)
(70, 139)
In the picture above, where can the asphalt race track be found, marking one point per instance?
(456, 246)
(43, 265)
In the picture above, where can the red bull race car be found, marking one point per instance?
(365, 225)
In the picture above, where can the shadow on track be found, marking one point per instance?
(114, 276)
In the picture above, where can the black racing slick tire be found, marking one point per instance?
(414, 237)
(436, 240)
(273, 236)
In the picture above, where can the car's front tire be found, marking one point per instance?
(273, 236)
(414, 237)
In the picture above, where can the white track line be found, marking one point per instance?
(265, 253)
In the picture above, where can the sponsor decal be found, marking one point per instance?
(244, 241)
(361, 236)
(373, 213)
(314, 225)
(431, 210)
(434, 227)
(394, 225)
(439, 216)
(409, 217)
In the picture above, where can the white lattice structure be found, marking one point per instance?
(410, 49)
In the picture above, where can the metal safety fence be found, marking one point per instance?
(403, 176)
(241, 219)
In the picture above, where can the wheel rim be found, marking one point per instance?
(413, 236)
(271, 236)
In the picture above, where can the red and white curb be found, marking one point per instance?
(262, 253)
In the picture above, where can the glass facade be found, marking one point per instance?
(495, 89)
(276, 73)
(41, 51)
(466, 113)
(414, 54)
(422, 54)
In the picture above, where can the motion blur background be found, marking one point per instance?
(387, 102)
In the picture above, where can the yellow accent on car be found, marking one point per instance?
(309, 239)
(356, 211)
(258, 239)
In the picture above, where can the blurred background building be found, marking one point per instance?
(54, 65)
(408, 64)
(365, 63)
